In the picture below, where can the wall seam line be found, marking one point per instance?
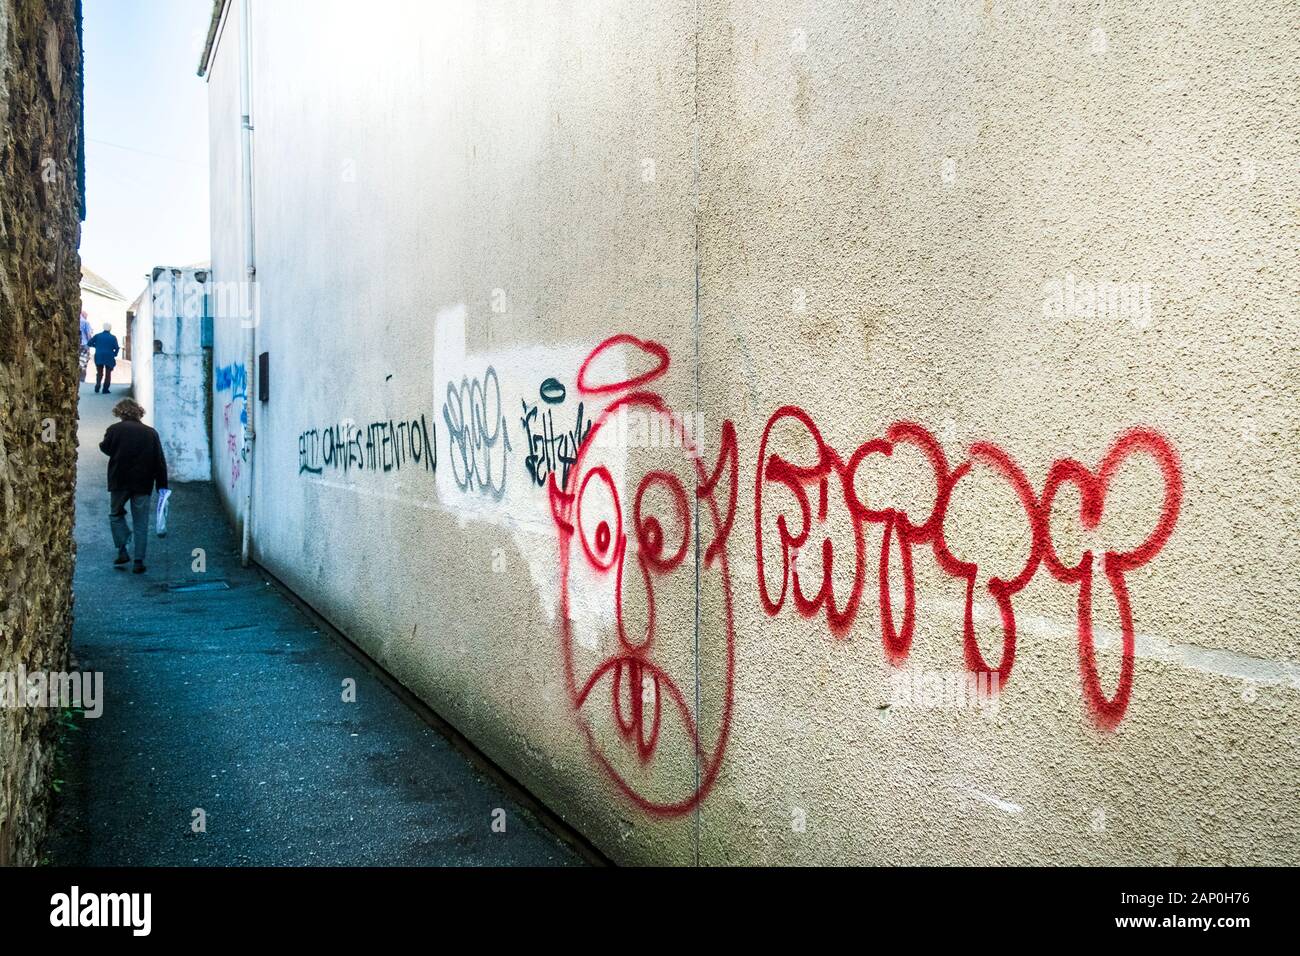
(696, 215)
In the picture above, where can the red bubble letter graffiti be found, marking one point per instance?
(813, 507)
(821, 474)
(1109, 711)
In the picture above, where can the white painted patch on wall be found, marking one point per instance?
(1209, 660)
(480, 403)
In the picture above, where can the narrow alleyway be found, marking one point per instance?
(229, 700)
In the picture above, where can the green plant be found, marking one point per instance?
(65, 723)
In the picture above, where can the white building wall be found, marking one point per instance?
(228, 289)
(141, 330)
(104, 310)
(870, 211)
(173, 381)
(101, 309)
(418, 229)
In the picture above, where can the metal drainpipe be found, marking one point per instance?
(250, 266)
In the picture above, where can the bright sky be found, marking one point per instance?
(146, 138)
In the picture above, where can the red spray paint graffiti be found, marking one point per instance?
(594, 530)
(825, 473)
(1000, 590)
(234, 446)
(1115, 564)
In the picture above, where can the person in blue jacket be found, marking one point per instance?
(106, 349)
(83, 357)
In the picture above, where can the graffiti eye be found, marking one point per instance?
(661, 549)
(600, 520)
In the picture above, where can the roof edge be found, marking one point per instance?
(210, 44)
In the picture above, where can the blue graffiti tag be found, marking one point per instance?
(233, 377)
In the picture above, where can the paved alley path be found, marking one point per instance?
(230, 701)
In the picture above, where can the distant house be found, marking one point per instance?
(132, 311)
(103, 303)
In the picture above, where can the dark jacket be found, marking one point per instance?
(135, 458)
(106, 348)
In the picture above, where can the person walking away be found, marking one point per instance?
(106, 349)
(136, 465)
(83, 356)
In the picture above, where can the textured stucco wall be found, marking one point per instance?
(888, 199)
(40, 97)
(861, 215)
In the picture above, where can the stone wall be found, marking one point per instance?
(40, 213)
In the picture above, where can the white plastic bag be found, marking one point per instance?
(160, 520)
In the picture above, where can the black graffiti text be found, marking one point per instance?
(551, 451)
(383, 446)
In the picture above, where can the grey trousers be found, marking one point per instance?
(139, 532)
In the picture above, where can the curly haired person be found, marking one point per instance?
(136, 465)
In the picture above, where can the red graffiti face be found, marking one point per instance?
(631, 563)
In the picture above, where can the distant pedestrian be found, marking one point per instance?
(83, 356)
(106, 349)
(136, 465)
